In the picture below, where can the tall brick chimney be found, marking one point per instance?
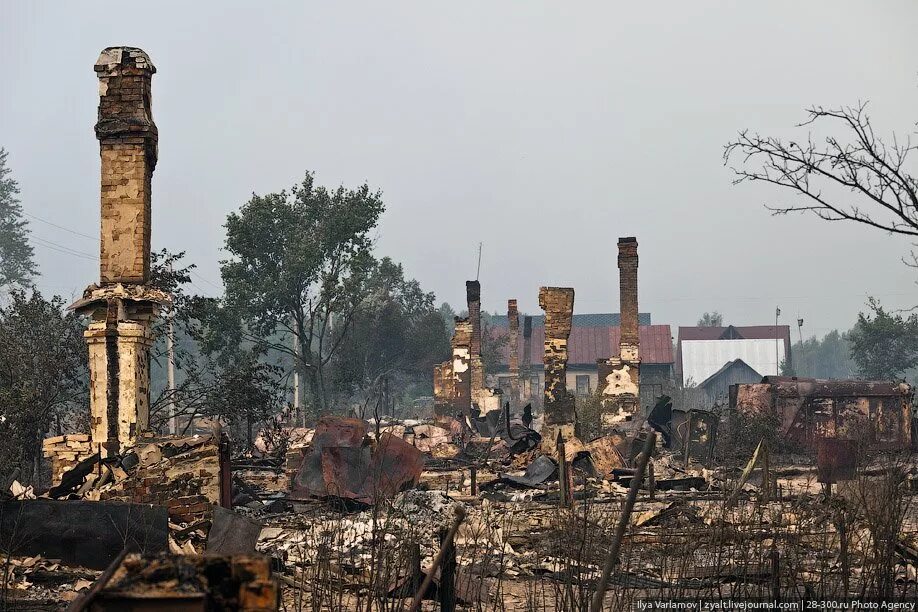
(128, 147)
(620, 375)
(122, 307)
(473, 298)
(558, 304)
(526, 365)
(513, 320)
(628, 295)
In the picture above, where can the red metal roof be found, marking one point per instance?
(587, 344)
(750, 332)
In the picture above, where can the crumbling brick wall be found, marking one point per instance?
(183, 474)
(444, 390)
(64, 452)
(461, 366)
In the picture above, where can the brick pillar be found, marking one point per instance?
(513, 319)
(628, 295)
(461, 365)
(526, 365)
(558, 304)
(619, 376)
(128, 148)
(121, 306)
(473, 297)
(444, 390)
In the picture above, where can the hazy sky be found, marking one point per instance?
(543, 130)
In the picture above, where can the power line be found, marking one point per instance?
(82, 254)
(66, 229)
(214, 285)
(54, 246)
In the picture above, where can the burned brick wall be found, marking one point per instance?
(183, 474)
(64, 452)
(877, 415)
(444, 389)
(461, 366)
(558, 304)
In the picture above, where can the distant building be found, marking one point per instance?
(703, 351)
(715, 388)
(593, 337)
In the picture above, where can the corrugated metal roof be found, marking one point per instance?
(596, 319)
(588, 344)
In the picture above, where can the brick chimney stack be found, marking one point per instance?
(128, 148)
(513, 320)
(628, 295)
(122, 307)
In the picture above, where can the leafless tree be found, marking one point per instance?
(820, 172)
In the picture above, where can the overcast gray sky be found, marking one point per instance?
(544, 130)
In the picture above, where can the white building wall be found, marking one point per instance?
(701, 358)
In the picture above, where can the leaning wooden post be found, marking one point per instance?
(447, 575)
(564, 477)
(623, 520)
(444, 549)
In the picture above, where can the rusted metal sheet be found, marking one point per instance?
(344, 463)
(836, 460)
(331, 432)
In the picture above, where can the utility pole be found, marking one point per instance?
(296, 375)
(170, 368)
(777, 360)
(478, 269)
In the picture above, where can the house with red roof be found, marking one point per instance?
(593, 337)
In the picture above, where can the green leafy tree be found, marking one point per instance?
(884, 345)
(16, 264)
(300, 263)
(245, 394)
(43, 378)
(394, 340)
(711, 319)
(449, 318)
(829, 357)
(493, 345)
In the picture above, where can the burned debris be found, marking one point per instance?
(497, 498)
